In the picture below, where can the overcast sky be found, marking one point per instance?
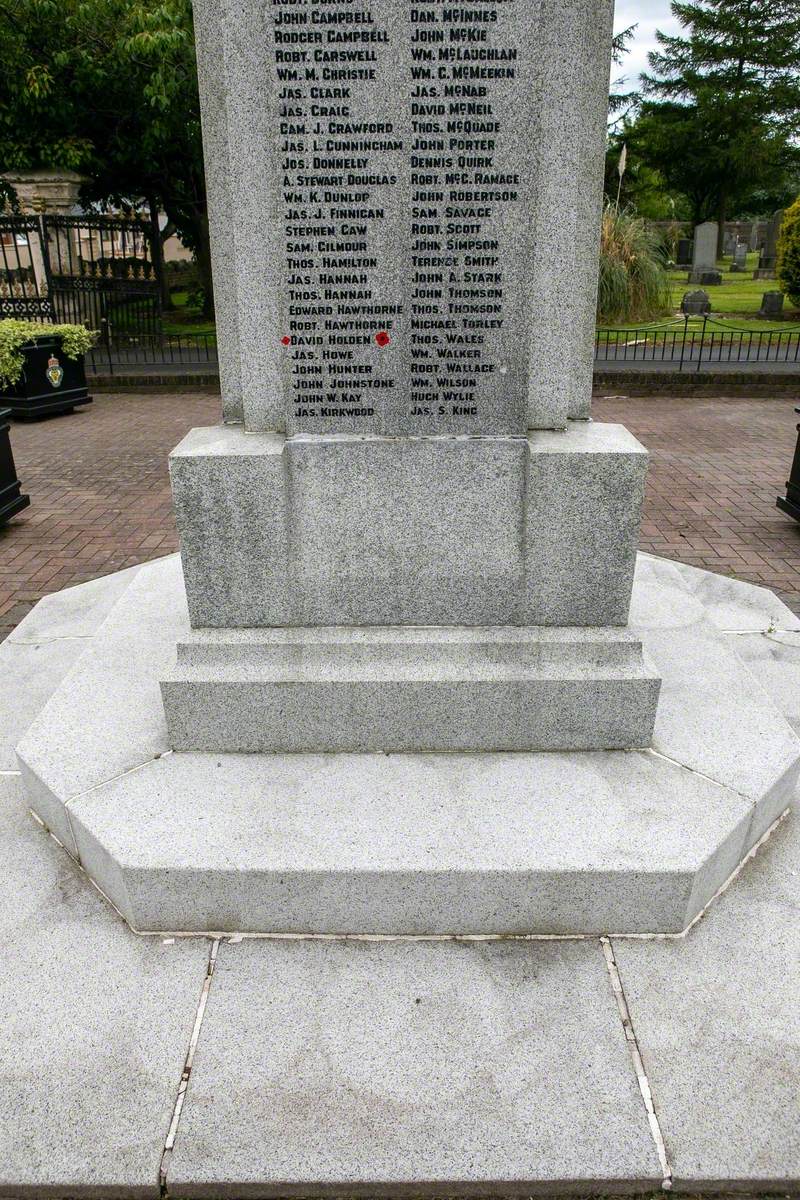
(649, 15)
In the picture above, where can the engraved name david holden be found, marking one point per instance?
(399, 180)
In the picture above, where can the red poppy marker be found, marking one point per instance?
(382, 338)
(286, 341)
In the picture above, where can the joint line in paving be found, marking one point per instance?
(638, 1064)
(172, 1132)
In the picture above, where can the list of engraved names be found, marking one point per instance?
(404, 204)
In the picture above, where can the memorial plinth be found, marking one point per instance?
(403, 696)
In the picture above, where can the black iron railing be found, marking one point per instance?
(119, 351)
(692, 344)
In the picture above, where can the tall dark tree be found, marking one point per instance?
(108, 88)
(731, 79)
(621, 100)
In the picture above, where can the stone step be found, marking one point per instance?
(411, 844)
(544, 843)
(399, 690)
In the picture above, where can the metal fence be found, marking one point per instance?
(693, 345)
(105, 272)
(175, 352)
(101, 271)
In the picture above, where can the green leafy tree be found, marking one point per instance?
(109, 88)
(788, 270)
(731, 83)
(645, 190)
(677, 141)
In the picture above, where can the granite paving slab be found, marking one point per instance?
(774, 659)
(94, 1026)
(81, 738)
(718, 1024)
(29, 674)
(74, 612)
(713, 716)
(357, 1067)
(44, 648)
(729, 604)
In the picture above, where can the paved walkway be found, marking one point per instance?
(717, 466)
(100, 495)
(198, 1068)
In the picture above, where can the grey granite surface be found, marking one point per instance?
(99, 1022)
(94, 1027)
(363, 1068)
(138, 817)
(44, 647)
(107, 717)
(411, 844)
(718, 1024)
(215, 107)
(339, 183)
(433, 531)
(400, 689)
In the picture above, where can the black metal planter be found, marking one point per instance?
(12, 500)
(50, 382)
(790, 503)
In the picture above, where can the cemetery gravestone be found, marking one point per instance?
(704, 264)
(696, 304)
(739, 258)
(685, 252)
(769, 257)
(772, 306)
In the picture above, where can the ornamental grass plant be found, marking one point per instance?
(634, 284)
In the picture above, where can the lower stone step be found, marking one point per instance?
(410, 689)
(411, 844)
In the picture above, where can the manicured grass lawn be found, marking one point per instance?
(737, 295)
(733, 304)
(184, 319)
(715, 325)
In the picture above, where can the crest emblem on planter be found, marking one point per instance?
(54, 372)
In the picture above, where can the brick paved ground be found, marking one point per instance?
(100, 495)
(717, 467)
(99, 491)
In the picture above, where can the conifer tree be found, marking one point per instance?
(736, 63)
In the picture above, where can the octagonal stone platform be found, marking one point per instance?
(551, 843)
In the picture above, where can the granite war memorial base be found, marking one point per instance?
(396, 686)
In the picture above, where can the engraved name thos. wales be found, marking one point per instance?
(372, 99)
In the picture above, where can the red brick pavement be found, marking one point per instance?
(717, 466)
(99, 492)
(100, 495)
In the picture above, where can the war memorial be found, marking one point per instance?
(407, 681)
